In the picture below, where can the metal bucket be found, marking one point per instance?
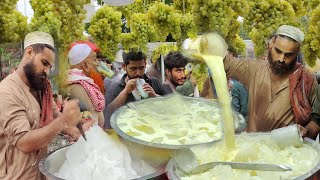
(171, 167)
(156, 158)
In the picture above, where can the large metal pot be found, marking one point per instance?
(157, 159)
(150, 101)
(171, 166)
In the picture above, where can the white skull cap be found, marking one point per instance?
(291, 32)
(78, 53)
(38, 37)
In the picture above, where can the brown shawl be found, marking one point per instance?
(301, 82)
(47, 105)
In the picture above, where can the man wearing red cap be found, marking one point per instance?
(96, 76)
(83, 62)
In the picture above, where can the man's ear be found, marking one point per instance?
(168, 73)
(28, 52)
(271, 42)
(85, 66)
(124, 66)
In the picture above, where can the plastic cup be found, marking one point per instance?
(287, 136)
(140, 83)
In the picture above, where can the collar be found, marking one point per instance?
(76, 75)
(16, 77)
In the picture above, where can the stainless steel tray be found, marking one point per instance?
(115, 115)
(170, 168)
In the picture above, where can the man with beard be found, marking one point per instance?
(281, 91)
(83, 62)
(126, 90)
(28, 120)
(175, 64)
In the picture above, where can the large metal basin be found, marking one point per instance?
(156, 158)
(214, 104)
(171, 166)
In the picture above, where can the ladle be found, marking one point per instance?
(132, 106)
(187, 162)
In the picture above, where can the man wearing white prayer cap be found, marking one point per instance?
(83, 62)
(28, 119)
(281, 91)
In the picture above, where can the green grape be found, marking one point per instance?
(311, 47)
(163, 49)
(240, 7)
(235, 42)
(128, 41)
(188, 28)
(138, 6)
(13, 24)
(7, 6)
(105, 29)
(299, 7)
(200, 73)
(184, 6)
(143, 30)
(216, 15)
(166, 20)
(312, 4)
(265, 17)
(44, 18)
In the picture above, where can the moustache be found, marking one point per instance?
(135, 77)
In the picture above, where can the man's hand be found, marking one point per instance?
(74, 132)
(130, 85)
(146, 87)
(71, 113)
(303, 131)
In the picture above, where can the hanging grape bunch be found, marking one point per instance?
(184, 6)
(136, 7)
(143, 30)
(264, 18)
(44, 19)
(76, 24)
(312, 4)
(163, 49)
(188, 27)
(311, 47)
(235, 42)
(127, 41)
(299, 7)
(105, 29)
(14, 25)
(166, 21)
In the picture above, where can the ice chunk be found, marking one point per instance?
(101, 157)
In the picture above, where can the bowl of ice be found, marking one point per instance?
(104, 156)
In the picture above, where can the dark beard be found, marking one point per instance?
(174, 82)
(281, 68)
(36, 81)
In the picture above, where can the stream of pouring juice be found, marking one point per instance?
(215, 64)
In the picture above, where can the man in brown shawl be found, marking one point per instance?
(281, 91)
